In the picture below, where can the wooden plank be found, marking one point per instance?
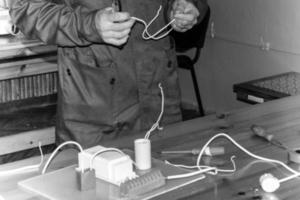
(26, 140)
(25, 61)
(27, 70)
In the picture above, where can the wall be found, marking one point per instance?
(251, 39)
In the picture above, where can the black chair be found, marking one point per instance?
(193, 38)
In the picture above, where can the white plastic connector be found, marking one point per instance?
(111, 166)
(269, 183)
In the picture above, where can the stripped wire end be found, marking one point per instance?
(156, 124)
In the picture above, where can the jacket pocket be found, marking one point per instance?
(88, 91)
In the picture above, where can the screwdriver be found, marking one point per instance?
(209, 151)
(260, 132)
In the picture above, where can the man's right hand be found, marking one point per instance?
(113, 27)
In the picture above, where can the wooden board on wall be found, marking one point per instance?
(26, 140)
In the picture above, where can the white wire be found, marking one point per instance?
(289, 178)
(212, 171)
(191, 173)
(201, 168)
(185, 166)
(229, 170)
(295, 173)
(102, 151)
(146, 35)
(56, 150)
(156, 124)
(25, 168)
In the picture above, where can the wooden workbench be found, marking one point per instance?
(279, 117)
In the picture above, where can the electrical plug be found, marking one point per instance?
(269, 183)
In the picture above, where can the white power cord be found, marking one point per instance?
(56, 150)
(244, 150)
(202, 169)
(268, 182)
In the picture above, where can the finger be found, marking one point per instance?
(190, 8)
(186, 17)
(178, 7)
(119, 16)
(185, 23)
(116, 35)
(116, 42)
(178, 29)
(182, 22)
(120, 26)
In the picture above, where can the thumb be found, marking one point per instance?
(119, 16)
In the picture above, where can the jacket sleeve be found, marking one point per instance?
(54, 23)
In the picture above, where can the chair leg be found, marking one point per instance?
(197, 92)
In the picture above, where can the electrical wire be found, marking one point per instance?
(185, 166)
(294, 172)
(156, 124)
(57, 149)
(29, 168)
(102, 151)
(203, 169)
(191, 173)
(146, 35)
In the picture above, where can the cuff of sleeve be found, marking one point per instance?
(90, 30)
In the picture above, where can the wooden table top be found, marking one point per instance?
(279, 117)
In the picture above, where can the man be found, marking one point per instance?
(109, 74)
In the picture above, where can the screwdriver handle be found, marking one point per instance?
(213, 151)
(260, 132)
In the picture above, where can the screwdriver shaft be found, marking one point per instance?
(209, 151)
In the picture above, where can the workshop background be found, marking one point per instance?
(246, 40)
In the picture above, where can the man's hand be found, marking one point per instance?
(113, 27)
(185, 14)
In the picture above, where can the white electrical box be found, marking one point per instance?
(111, 166)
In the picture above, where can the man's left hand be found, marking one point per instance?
(185, 14)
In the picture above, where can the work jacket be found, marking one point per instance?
(105, 90)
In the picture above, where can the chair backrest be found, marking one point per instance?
(193, 38)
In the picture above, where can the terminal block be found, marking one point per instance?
(143, 183)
